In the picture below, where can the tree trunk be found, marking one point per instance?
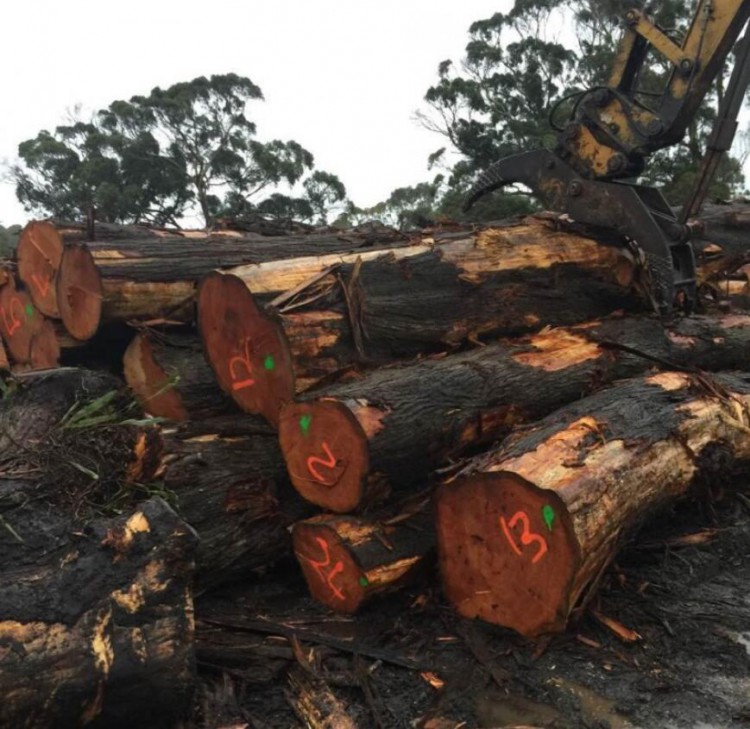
(95, 612)
(96, 620)
(356, 443)
(141, 273)
(171, 379)
(721, 239)
(230, 484)
(348, 561)
(45, 349)
(525, 532)
(375, 308)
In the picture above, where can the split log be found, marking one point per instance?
(348, 561)
(358, 442)
(138, 273)
(230, 484)
(4, 362)
(171, 379)
(525, 533)
(96, 620)
(374, 308)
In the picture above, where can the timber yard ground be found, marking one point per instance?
(682, 587)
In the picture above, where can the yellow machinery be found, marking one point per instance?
(612, 132)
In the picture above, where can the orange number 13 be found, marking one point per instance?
(527, 536)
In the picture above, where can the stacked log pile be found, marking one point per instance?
(360, 402)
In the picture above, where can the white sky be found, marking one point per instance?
(343, 78)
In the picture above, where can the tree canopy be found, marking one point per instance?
(517, 67)
(190, 147)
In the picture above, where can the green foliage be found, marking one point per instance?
(156, 157)
(8, 239)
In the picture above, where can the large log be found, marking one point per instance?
(525, 533)
(229, 483)
(95, 612)
(171, 379)
(349, 561)
(373, 308)
(96, 620)
(357, 442)
(145, 274)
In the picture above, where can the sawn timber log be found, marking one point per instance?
(339, 312)
(527, 529)
(142, 273)
(355, 443)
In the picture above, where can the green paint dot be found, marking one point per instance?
(29, 310)
(548, 513)
(363, 581)
(269, 362)
(304, 423)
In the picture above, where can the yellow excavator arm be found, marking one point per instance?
(612, 132)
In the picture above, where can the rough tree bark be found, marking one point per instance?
(95, 612)
(143, 273)
(230, 484)
(171, 379)
(377, 307)
(526, 531)
(96, 619)
(356, 443)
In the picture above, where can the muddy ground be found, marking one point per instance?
(683, 585)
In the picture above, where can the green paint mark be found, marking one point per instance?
(304, 423)
(363, 581)
(29, 310)
(269, 363)
(548, 513)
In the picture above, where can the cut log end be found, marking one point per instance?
(39, 251)
(333, 576)
(246, 349)
(326, 453)
(79, 292)
(45, 349)
(150, 383)
(19, 322)
(498, 534)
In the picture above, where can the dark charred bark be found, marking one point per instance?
(234, 491)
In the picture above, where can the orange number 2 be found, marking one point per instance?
(527, 536)
(329, 463)
(245, 362)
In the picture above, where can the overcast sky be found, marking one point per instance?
(343, 78)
